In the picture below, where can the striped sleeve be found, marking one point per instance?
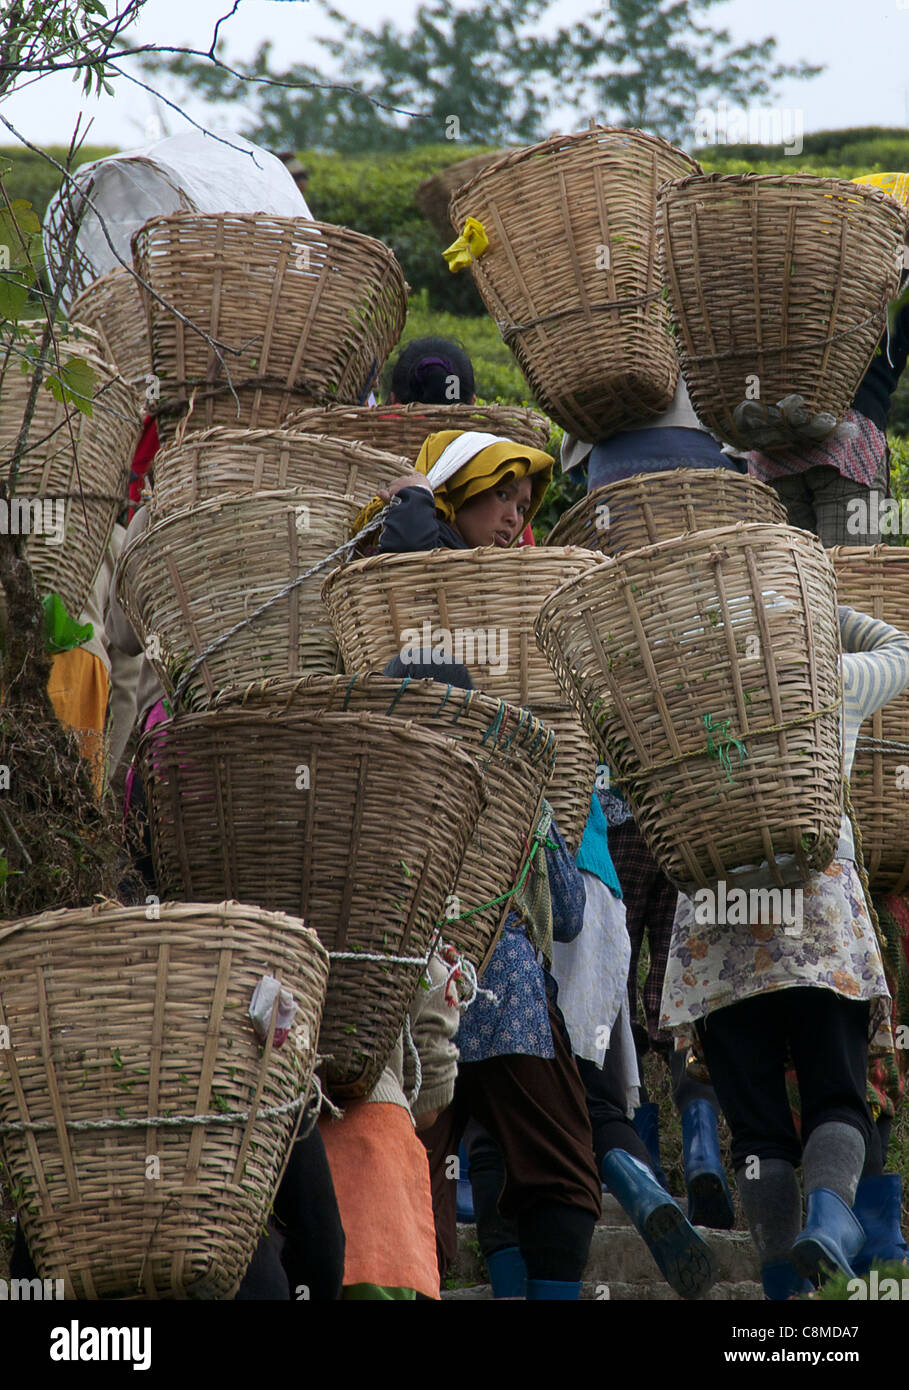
(875, 665)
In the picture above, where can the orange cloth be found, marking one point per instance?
(78, 688)
(381, 1178)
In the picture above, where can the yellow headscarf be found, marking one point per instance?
(897, 185)
(492, 463)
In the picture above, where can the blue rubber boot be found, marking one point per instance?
(466, 1213)
(709, 1198)
(831, 1238)
(877, 1206)
(538, 1289)
(684, 1258)
(781, 1281)
(507, 1273)
(647, 1124)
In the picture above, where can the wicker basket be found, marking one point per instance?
(401, 429)
(477, 597)
(357, 822)
(127, 1015)
(707, 669)
(571, 275)
(90, 481)
(779, 285)
(654, 507)
(875, 580)
(309, 310)
(113, 307)
(514, 752)
(195, 574)
(208, 465)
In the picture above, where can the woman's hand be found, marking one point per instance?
(411, 479)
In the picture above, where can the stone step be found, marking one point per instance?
(619, 1255)
(722, 1291)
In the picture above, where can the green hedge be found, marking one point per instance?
(375, 194)
(33, 179)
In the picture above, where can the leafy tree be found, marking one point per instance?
(480, 66)
(652, 64)
(649, 63)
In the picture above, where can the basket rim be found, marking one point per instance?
(671, 475)
(555, 144)
(229, 910)
(248, 696)
(227, 434)
(366, 720)
(806, 181)
(325, 231)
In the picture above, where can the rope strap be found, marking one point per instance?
(510, 330)
(228, 1117)
(714, 750)
(345, 548)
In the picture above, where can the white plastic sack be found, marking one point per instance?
(192, 172)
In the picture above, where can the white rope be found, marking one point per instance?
(411, 1047)
(157, 1121)
(377, 521)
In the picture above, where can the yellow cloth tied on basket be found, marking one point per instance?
(458, 464)
(472, 242)
(897, 185)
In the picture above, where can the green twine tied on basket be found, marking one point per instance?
(719, 749)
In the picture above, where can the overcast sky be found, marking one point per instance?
(864, 44)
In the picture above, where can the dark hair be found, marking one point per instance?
(434, 371)
(449, 673)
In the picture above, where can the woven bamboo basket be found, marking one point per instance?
(310, 312)
(875, 580)
(88, 480)
(706, 668)
(113, 307)
(217, 461)
(571, 275)
(653, 507)
(778, 284)
(466, 602)
(121, 1019)
(194, 575)
(311, 814)
(513, 750)
(401, 429)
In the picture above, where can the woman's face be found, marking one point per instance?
(497, 516)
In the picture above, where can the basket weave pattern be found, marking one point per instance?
(514, 752)
(310, 312)
(571, 273)
(652, 507)
(875, 580)
(218, 461)
(113, 307)
(401, 429)
(777, 280)
(372, 602)
(196, 573)
(707, 669)
(357, 823)
(113, 1016)
(90, 479)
